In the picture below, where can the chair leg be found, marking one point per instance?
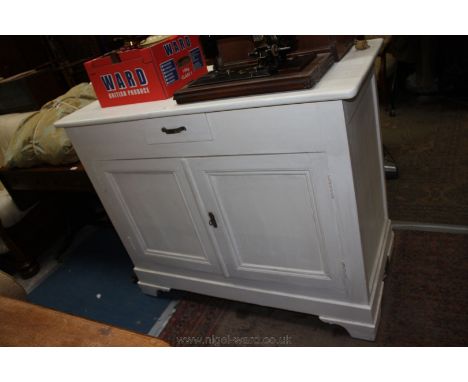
(382, 79)
(390, 167)
(393, 91)
(24, 264)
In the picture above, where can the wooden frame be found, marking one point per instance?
(44, 192)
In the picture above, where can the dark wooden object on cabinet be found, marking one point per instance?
(308, 59)
(304, 79)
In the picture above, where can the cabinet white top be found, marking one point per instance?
(342, 81)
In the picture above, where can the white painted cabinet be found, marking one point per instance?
(275, 199)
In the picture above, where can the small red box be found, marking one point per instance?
(146, 74)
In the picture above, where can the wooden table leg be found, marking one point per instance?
(24, 264)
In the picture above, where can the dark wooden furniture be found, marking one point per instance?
(56, 198)
(61, 56)
(248, 65)
(25, 183)
(287, 81)
(25, 324)
(29, 90)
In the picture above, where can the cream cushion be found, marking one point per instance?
(37, 141)
(9, 123)
(9, 213)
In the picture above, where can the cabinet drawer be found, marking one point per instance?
(291, 128)
(267, 130)
(184, 128)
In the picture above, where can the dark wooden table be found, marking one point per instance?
(70, 178)
(53, 191)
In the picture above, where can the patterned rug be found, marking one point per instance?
(425, 303)
(428, 139)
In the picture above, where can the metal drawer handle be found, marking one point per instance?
(176, 130)
(212, 222)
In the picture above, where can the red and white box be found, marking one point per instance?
(146, 74)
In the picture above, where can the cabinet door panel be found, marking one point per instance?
(160, 212)
(274, 217)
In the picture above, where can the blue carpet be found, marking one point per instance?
(96, 281)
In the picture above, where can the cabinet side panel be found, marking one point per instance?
(365, 152)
